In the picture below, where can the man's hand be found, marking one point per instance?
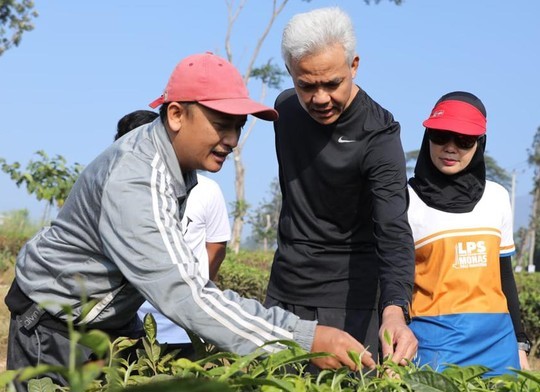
(403, 344)
(337, 342)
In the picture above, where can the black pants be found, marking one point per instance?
(40, 345)
(362, 324)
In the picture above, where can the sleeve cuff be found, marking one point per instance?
(304, 333)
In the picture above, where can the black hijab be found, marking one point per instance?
(459, 192)
(451, 193)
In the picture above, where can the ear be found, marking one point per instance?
(175, 116)
(354, 65)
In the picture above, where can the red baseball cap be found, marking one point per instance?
(212, 82)
(457, 116)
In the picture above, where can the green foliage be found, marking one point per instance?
(17, 224)
(496, 173)
(270, 74)
(15, 18)
(264, 220)
(49, 179)
(145, 365)
(15, 229)
(528, 286)
(152, 369)
(246, 273)
(239, 208)
(534, 151)
(533, 236)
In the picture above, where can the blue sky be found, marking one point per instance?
(87, 63)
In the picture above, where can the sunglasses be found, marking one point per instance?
(465, 142)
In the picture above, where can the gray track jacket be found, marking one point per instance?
(117, 241)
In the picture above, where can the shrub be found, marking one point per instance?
(529, 300)
(246, 273)
(15, 229)
(17, 224)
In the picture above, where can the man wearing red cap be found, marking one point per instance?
(465, 308)
(118, 241)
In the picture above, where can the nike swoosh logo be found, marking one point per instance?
(341, 140)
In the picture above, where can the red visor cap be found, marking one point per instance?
(457, 116)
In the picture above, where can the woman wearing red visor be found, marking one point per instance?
(465, 308)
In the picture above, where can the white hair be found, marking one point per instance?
(310, 32)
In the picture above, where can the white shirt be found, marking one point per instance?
(205, 220)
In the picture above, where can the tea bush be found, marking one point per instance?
(258, 371)
(247, 273)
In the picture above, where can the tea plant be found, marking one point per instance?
(141, 365)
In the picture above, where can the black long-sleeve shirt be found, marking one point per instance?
(343, 224)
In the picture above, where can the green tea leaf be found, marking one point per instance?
(33, 372)
(428, 381)
(44, 384)
(7, 376)
(185, 363)
(465, 373)
(150, 327)
(387, 338)
(182, 385)
(122, 343)
(280, 384)
(97, 341)
(529, 375)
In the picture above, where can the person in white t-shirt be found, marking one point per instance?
(465, 309)
(206, 229)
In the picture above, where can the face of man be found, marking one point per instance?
(202, 138)
(324, 83)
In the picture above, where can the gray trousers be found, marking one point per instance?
(362, 324)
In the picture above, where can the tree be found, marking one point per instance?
(15, 18)
(530, 239)
(267, 74)
(270, 76)
(48, 179)
(264, 220)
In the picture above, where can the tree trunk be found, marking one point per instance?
(533, 227)
(239, 210)
(266, 230)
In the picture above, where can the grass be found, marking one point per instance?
(5, 281)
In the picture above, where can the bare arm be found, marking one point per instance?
(216, 253)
